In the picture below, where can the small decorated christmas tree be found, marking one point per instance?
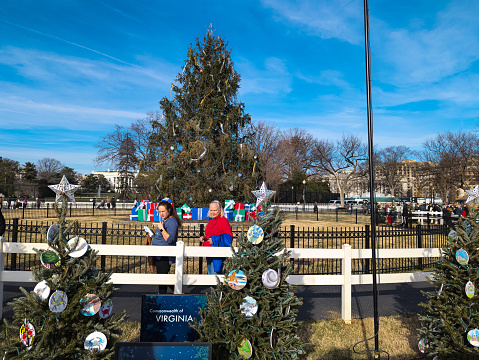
(451, 321)
(253, 313)
(69, 313)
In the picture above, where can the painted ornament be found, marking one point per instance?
(422, 345)
(273, 338)
(237, 279)
(106, 309)
(470, 289)
(245, 349)
(42, 290)
(255, 234)
(249, 307)
(91, 305)
(270, 279)
(473, 336)
(50, 259)
(27, 333)
(52, 232)
(453, 235)
(58, 301)
(80, 249)
(95, 341)
(462, 257)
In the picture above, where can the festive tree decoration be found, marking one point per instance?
(450, 322)
(64, 188)
(262, 194)
(242, 312)
(474, 194)
(59, 319)
(229, 204)
(255, 234)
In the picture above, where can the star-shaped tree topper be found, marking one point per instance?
(64, 188)
(473, 194)
(262, 194)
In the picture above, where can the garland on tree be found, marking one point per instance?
(68, 315)
(253, 315)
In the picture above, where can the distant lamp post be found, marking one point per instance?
(292, 200)
(304, 197)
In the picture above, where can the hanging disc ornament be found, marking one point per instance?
(80, 248)
(52, 232)
(255, 234)
(237, 279)
(270, 279)
(27, 333)
(50, 259)
(95, 341)
(422, 345)
(106, 309)
(42, 290)
(462, 257)
(90, 305)
(470, 289)
(473, 336)
(245, 349)
(249, 307)
(453, 235)
(58, 301)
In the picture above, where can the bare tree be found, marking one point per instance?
(295, 152)
(389, 161)
(451, 161)
(342, 160)
(48, 169)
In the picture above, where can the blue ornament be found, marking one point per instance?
(198, 170)
(240, 175)
(191, 198)
(152, 188)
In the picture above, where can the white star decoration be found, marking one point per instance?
(472, 194)
(64, 188)
(262, 194)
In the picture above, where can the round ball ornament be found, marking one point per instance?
(106, 309)
(90, 305)
(58, 301)
(237, 279)
(245, 349)
(95, 341)
(50, 259)
(470, 289)
(249, 307)
(27, 333)
(172, 148)
(52, 232)
(422, 345)
(270, 279)
(462, 256)
(42, 290)
(473, 337)
(255, 234)
(80, 249)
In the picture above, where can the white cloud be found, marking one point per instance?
(340, 19)
(273, 79)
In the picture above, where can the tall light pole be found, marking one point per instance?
(292, 200)
(304, 197)
(371, 178)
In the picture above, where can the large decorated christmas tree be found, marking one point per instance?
(450, 324)
(253, 313)
(202, 136)
(69, 313)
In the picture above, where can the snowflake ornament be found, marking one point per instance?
(64, 188)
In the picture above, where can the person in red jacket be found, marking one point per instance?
(217, 233)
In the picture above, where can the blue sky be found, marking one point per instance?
(70, 70)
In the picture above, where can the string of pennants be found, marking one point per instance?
(234, 211)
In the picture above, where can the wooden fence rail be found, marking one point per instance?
(346, 254)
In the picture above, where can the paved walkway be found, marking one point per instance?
(320, 302)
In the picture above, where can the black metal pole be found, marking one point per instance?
(371, 177)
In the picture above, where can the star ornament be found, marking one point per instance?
(64, 188)
(472, 194)
(262, 194)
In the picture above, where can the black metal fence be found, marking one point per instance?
(388, 237)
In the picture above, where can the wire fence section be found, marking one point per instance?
(433, 236)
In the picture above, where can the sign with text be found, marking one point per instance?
(163, 351)
(165, 318)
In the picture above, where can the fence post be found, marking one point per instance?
(202, 233)
(47, 208)
(13, 257)
(337, 211)
(2, 268)
(103, 241)
(296, 213)
(291, 241)
(356, 215)
(367, 264)
(93, 209)
(419, 244)
(23, 211)
(70, 209)
(180, 252)
(428, 221)
(346, 286)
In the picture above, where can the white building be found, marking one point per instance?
(115, 178)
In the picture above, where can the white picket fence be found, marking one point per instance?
(180, 251)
